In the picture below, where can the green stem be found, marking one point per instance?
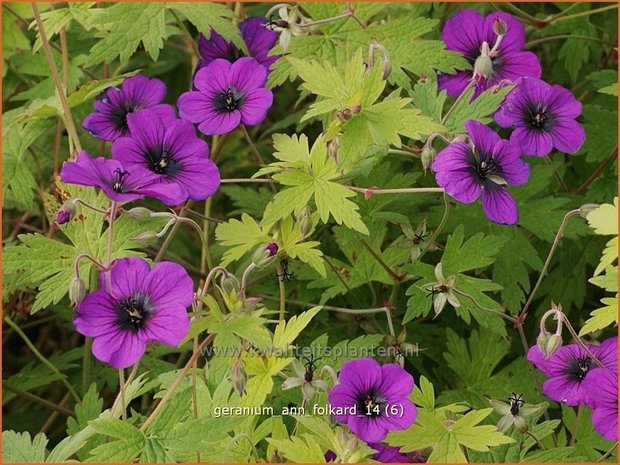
(368, 191)
(121, 386)
(609, 452)
(486, 309)
(573, 437)
(543, 272)
(282, 292)
(442, 223)
(542, 40)
(533, 436)
(583, 13)
(41, 358)
(395, 276)
(38, 400)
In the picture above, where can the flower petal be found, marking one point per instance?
(247, 74)
(120, 349)
(499, 205)
(96, 314)
(567, 134)
(168, 284)
(127, 277)
(255, 106)
(363, 374)
(220, 123)
(397, 383)
(533, 142)
(169, 325)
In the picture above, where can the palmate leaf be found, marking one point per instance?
(291, 242)
(480, 109)
(21, 448)
(241, 236)
(304, 449)
(129, 25)
(309, 175)
(601, 317)
(57, 19)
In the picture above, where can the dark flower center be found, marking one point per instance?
(538, 117)
(484, 165)
(119, 114)
(228, 101)
(371, 404)
(578, 367)
(133, 312)
(161, 161)
(118, 182)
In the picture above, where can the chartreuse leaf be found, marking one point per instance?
(601, 317)
(240, 236)
(447, 437)
(480, 109)
(129, 25)
(21, 448)
(57, 19)
(286, 332)
(291, 243)
(477, 252)
(303, 449)
(604, 219)
(309, 174)
(129, 441)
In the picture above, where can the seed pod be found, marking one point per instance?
(239, 377)
(229, 283)
(147, 237)
(139, 213)
(428, 153)
(549, 343)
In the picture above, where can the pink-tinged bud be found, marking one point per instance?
(499, 27)
(333, 149)
(356, 108)
(549, 344)
(65, 213)
(272, 248)
(345, 115)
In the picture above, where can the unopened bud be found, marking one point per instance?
(139, 213)
(549, 343)
(356, 108)
(499, 27)
(65, 213)
(402, 336)
(345, 115)
(409, 349)
(77, 291)
(305, 221)
(587, 208)
(147, 237)
(239, 377)
(333, 149)
(428, 153)
(229, 283)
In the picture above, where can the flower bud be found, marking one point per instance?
(139, 213)
(549, 343)
(409, 349)
(428, 153)
(345, 115)
(305, 221)
(239, 377)
(402, 336)
(146, 238)
(499, 27)
(77, 291)
(333, 149)
(587, 208)
(65, 213)
(483, 67)
(229, 283)
(356, 108)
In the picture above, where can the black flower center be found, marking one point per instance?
(119, 114)
(371, 404)
(228, 101)
(578, 367)
(161, 161)
(538, 117)
(484, 165)
(118, 183)
(133, 312)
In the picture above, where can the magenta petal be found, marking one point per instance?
(193, 106)
(368, 428)
(168, 325)
(102, 126)
(213, 78)
(563, 103)
(247, 74)
(514, 39)
(533, 142)
(255, 106)
(220, 123)
(397, 383)
(126, 277)
(96, 314)
(180, 138)
(567, 134)
(499, 205)
(200, 178)
(483, 137)
(169, 284)
(143, 90)
(605, 422)
(518, 64)
(401, 415)
(344, 397)
(464, 31)
(120, 348)
(454, 84)
(564, 389)
(363, 373)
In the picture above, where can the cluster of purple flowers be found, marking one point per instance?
(576, 376)
(542, 115)
(156, 154)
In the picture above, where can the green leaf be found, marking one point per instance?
(21, 448)
(117, 429)
(601, 127)
(85, 411)
(304, 449)
(286, 332)
(211, 16)
(129, 25)
(601, 317)
(477, 252)
(241, 236)
(480, 109)
(57, 19)
(424, 396)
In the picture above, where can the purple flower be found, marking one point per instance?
(602, 387)
(120, 184)
(388, 454)
(494, 59)
(142, 305)
(109, 121)
(468, 172)
(227, 95)
(65, 213)
(168, 148)
(543, 117)
(570, 366)
(373, 398)
(258, 38)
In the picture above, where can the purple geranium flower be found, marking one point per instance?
(482, 168)
(257, 37)
(602, 387)
(142, 305)
(227, 95)
(168, 148)
(543, 117)
(495, 59)
(120, 184)
(570, 366)
(375, 397)
(388, 454)
(109, 121)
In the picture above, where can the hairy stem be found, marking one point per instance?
(38, 400)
